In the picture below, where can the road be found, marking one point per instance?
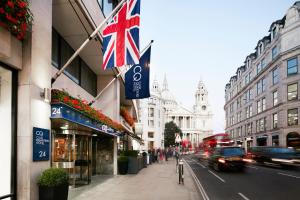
(255, 183)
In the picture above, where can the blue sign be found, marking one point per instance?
(63, 111)
(40, 144)
(137, 78)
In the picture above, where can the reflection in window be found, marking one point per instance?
(292, 66)
(292, 91)
(62, 149)
(275, 74)
(292, 117)
(275, 120)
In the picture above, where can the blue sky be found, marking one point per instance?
(196, 39)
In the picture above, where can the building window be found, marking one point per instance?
(274, 52)
(275, 98)
(292, 117)
(263, 101)
(261, 85)
(258, 68)
(263, 82)
(258, 103)
(263, 63)
(250, 111)
(292, 66)
(151, 123)
(72, 71)
(275, 75)
(275, 120)
(78, 70)
(249, 129)
(150, 135)
(293, 91)
(151, 112)
(88, 79)
(107, 6)
(274, 32)
(261, 125)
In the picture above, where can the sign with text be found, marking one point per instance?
(40, 144)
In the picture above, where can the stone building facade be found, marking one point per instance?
(262, 98)
(162, 107)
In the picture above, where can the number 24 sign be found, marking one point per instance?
(40, 144)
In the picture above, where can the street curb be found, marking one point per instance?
(197, 182)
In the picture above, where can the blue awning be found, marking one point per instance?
(63, 111)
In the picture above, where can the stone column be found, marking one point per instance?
(33, 111)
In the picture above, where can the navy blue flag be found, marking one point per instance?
(137, 78)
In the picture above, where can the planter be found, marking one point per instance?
(123, 167)
(133, 165)
(10, 49)
(53, 193)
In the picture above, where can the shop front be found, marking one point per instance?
(8, 97)
(80, 145)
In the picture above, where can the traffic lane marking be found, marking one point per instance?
(252, 167)
(243, 196)
(198, 162)
(217, 176)
(198, 183)
(288, 175)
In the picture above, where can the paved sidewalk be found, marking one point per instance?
(158, 181)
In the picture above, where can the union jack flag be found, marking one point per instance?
(121, 37)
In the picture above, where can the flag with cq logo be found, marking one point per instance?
(137, 78)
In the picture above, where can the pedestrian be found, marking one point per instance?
(161, 156)
(166, 154)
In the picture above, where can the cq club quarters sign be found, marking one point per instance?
(40, 144)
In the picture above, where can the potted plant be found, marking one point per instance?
(123, 164)
(53, 184)
(134, 162)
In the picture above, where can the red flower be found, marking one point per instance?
(21, 14)
(75, 102)
(77, 107)
(10, 4)
(22, 4)
(23, 26)
(2, 11)
(11, 19)
(66, 99)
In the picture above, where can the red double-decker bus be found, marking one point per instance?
(217, 140)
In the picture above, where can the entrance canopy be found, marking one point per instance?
(63, 115)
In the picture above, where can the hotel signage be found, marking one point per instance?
(63, 111)
(40, 144)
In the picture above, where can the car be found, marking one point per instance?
(227, 158)
(282, 156)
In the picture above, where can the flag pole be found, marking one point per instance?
(85, 43)
(117, 76)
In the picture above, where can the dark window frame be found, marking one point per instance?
(58, 65)
(288, 117)
(288, 68)
(296, 91)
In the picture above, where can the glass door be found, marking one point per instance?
(82, 172)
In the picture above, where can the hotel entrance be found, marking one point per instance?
(83, 152)
(71, 150)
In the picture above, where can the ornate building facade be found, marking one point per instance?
(162, 107)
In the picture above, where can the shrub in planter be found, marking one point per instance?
(123, 164)
(133, 162)
(53, 184)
